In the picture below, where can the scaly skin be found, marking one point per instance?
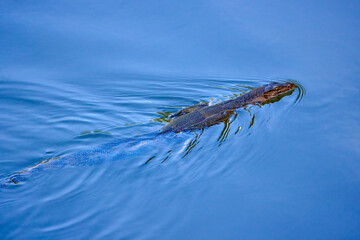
(194, 117)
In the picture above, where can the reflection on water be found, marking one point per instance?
(165, 117)
(141, 145)
(136, 158)
(231, 116)
(192, 143)
(225, 132)
(94, 132)
(283, 170)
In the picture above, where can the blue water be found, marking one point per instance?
(78, 74)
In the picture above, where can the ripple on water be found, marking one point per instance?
(96, 114)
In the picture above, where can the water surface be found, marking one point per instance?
(80, 74)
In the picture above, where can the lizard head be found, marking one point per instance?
(275, 89)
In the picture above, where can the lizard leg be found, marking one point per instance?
(188, 109)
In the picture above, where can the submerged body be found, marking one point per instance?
(190, 118)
